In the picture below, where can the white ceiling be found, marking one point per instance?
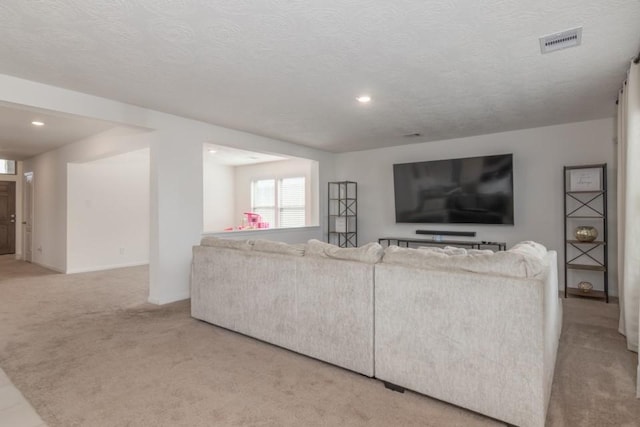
(235, 157)
(292, 69)
(19, 139)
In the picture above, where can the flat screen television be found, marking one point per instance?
(472, 190)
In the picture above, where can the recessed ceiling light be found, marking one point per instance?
(36, 123)
(212, 151)
(363, 99)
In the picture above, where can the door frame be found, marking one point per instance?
(13, 217)
(28, 192)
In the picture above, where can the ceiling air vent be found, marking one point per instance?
(563, 40)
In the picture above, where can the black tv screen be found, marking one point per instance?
(473, 190)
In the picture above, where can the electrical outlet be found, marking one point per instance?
(121, 251)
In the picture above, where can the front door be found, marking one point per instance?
(27, 215)
(7, 217)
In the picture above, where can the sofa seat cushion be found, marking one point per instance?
(371, 253)
(243, 245)
(506, 263)
(279, 247)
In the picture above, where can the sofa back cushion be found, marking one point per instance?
(279, 247)
(243, 245)
(370, 253)
(512, 263)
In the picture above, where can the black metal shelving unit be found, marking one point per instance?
(343, 214)
(585, 207)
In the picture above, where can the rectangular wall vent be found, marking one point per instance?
(563, 40)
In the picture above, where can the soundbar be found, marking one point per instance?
(447, 233)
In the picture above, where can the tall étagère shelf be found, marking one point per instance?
(585, 204)
(343, 214)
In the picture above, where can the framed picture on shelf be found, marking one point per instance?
(588, 179)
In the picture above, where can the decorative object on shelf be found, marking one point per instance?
(586, 233)
(585, 179)
(343, 214)
(585, 211)
(585, 286)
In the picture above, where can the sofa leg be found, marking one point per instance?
(393, 387)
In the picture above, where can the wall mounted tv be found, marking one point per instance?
(472, 190)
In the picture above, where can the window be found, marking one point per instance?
(263, 200)
(7, 167)
(291, 212)
(280, 202)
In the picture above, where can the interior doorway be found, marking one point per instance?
(27, 216)
(7, 217)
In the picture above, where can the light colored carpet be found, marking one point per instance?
(86, 349)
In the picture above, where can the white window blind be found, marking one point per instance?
(291, 202)
(263, 200)
(280, 202)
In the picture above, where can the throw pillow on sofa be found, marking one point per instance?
(530, 248)
(317, 247)
(243, 245)
(370, 253)
(278, 247)
(510, 264)
(447, 250)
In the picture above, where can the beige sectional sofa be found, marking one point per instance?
(486, 342)
(315, 305)
(472, 328)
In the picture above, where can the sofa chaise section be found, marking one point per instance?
(320, 307)
(481, 341)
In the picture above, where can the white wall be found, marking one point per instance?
(50, 189)
(108, 212)
(218, 198)
(244, 175)
(18, 179)
(176, 176)
(539, 155)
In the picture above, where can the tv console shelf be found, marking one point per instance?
(471, 244)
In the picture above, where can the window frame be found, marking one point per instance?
(277, 209)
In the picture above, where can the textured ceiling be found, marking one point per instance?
(19, 139)
(291, 69)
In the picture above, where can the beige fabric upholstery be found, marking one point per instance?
(529, 248)
(447, 250)
(316, 306)
(486, 342)
(509, 264)
(317, 248)
(370, 253)
(278, 247)
(483, 342)
(244, 245)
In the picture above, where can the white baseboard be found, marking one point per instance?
(105, 267)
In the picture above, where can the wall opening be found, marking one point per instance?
(245, 190)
